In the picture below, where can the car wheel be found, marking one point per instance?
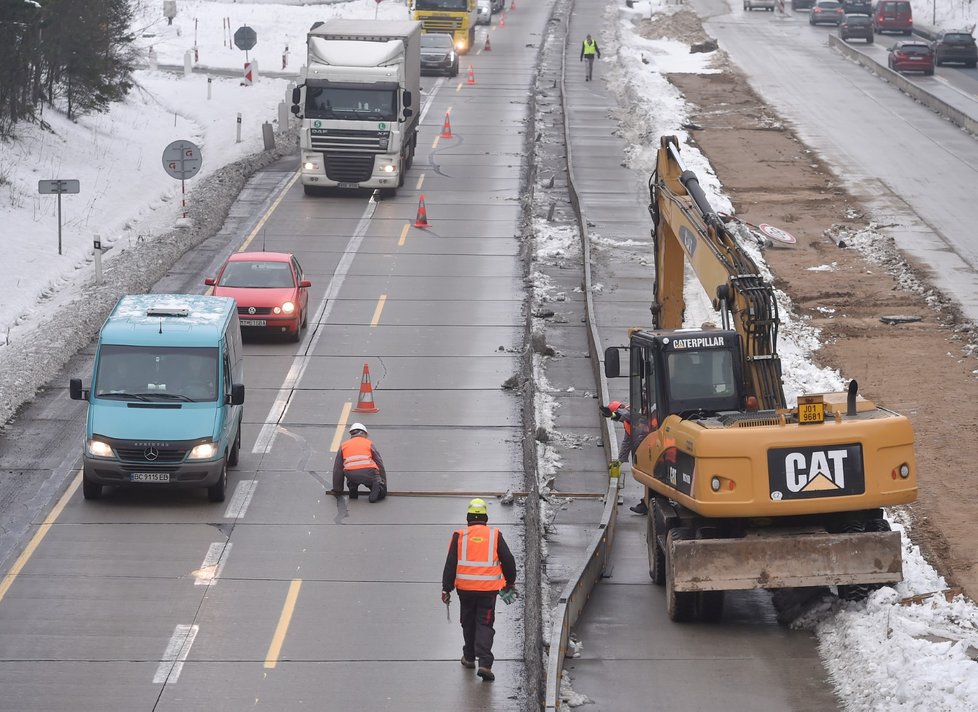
(455, 69)
(217, 491)
(869, 40)
(929, 73)
(971, 65)
(91, 490)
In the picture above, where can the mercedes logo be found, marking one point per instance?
(252, 310)
(151, 453)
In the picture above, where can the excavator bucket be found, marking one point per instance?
(785, 559)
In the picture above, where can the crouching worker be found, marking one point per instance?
(360, 462)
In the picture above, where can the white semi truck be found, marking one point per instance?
(359, 104)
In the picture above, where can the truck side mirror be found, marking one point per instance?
(237, 394)
(612, 365)
(75, 389)
(295, 109)
(407, 99)
(296, 95)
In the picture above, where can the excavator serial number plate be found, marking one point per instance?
(811, 409)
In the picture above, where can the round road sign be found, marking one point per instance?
(181, 159)
(777, 234)
(245, 38)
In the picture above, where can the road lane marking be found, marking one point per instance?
(275, 649)
(42, 531)
(269, 429)
(175, 654)
(404, 232)
(420, 182)
(268, 213)
(341, 427)
(378, 310)
(213, 564)
(243, 492)
(435, 142)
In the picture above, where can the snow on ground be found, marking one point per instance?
(880, 655)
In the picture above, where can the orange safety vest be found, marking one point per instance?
(356, 454)
(478, 567)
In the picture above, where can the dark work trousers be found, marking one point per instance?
(370, 478)
(477, 615)
(589, 60)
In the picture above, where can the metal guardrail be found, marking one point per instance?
(577, 592)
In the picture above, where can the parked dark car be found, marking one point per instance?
(857, 7)
(826, 12)
(438, 54)
(801, 4)
(955, 46)
(856, 26)
(911, 56)
(893, 16)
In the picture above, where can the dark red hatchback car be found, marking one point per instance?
(911, 56)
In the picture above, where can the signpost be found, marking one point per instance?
(57, 187)
(182, 160)
(246, 38)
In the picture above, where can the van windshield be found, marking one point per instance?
(156, 373)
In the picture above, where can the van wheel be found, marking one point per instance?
(91, 490)
(215, 493)
(236, 448)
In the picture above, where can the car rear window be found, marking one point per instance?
(958, 38)
(915, 49)
(857, 19)
(829, 4)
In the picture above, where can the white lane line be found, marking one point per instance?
(175, 654)
(213, 564)
(275, 414)
(243, 492)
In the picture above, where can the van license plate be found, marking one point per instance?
(149, 476)
(348, 185)
(253, 322)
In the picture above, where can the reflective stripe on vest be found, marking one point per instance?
(356, 454)
(590, 47)
(478, 568)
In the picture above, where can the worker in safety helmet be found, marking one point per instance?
(616, 410)
(361, 464)
(480, 565)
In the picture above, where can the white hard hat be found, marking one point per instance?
(358, 426)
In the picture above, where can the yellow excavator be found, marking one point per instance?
(743, 491)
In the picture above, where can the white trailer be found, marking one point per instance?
(359, 105)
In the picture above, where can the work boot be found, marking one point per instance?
(486, 674)
(354, 491)
(640, 508)
(377, 492)
(466, 663)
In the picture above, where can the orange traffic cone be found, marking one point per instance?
(502, 21)
(512, 5)
(365, 403)
(488, 47)
(471, 79)
(422, 219)
(446, 128)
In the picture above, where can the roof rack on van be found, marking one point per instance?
(168, 310)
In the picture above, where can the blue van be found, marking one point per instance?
(164, 406)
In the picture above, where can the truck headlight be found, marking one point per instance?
(388, 168)
(204, 451)
(97, 448)
(308, 166)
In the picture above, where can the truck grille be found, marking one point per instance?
(441, 24)
(349, 167)
(349, 140)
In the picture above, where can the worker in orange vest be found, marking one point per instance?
(480, 565)
(360, 462)
(619, 411)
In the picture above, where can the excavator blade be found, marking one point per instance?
(785, 559)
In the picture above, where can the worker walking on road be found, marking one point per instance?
(479, 565)
(589, 50)
(619, 411)
(361, 464)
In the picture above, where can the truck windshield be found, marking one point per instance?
(706, 374)
(330, 102)
(448, 5)
(156, 373)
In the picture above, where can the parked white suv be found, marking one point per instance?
(762, 4)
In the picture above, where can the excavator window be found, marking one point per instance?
(698, 375)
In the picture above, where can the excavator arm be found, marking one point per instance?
(687, 228)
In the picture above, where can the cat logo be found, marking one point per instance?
(804, 472)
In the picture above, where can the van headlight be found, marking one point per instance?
(204, 451)
(97, 448)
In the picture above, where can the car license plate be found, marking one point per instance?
(253, 322)
(149, 476)
(348, 185)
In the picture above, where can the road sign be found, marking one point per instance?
(57, 187)
(245, 38)
(181, 160)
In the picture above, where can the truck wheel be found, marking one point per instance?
(709, 606)
(310, 190)
(657, 559)
(91, 490)
(680, 605)
(215, 493)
